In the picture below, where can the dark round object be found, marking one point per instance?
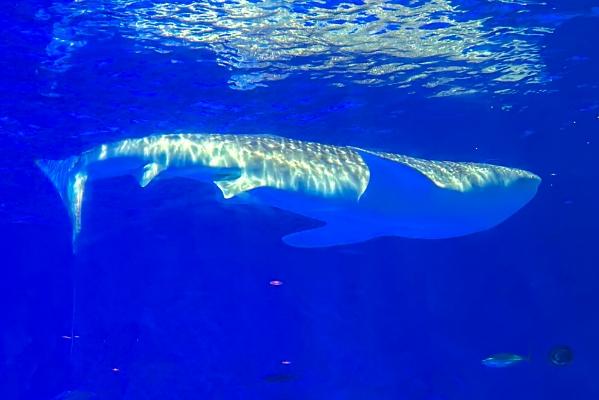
(561, 355)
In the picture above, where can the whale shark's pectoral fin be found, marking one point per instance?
(389, 173)
(149, 172)
(394, 186)
(332, 234)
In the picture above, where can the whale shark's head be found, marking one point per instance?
(441, 199)
(483, 207)
(505, 200)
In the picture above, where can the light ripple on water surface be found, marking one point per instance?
(436, 44)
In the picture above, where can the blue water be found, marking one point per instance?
(168, 294)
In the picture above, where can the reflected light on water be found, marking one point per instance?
(440, 45)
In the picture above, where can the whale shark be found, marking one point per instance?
(357, 194)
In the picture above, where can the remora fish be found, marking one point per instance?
(502, 360)
(359, 194)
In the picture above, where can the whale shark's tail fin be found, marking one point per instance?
(70, 184)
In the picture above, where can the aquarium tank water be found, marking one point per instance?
(299, 200)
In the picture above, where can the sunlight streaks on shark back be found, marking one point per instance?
(460, 176)
(272, 161)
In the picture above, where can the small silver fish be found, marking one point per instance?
(502, 360)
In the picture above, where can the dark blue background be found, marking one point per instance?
(172, 289)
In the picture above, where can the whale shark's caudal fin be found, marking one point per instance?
(70, 184)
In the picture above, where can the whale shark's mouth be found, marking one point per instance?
(439, 46)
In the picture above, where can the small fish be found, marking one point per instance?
(503, 360)
(561, 356)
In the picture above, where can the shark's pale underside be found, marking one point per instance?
(358, 194)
